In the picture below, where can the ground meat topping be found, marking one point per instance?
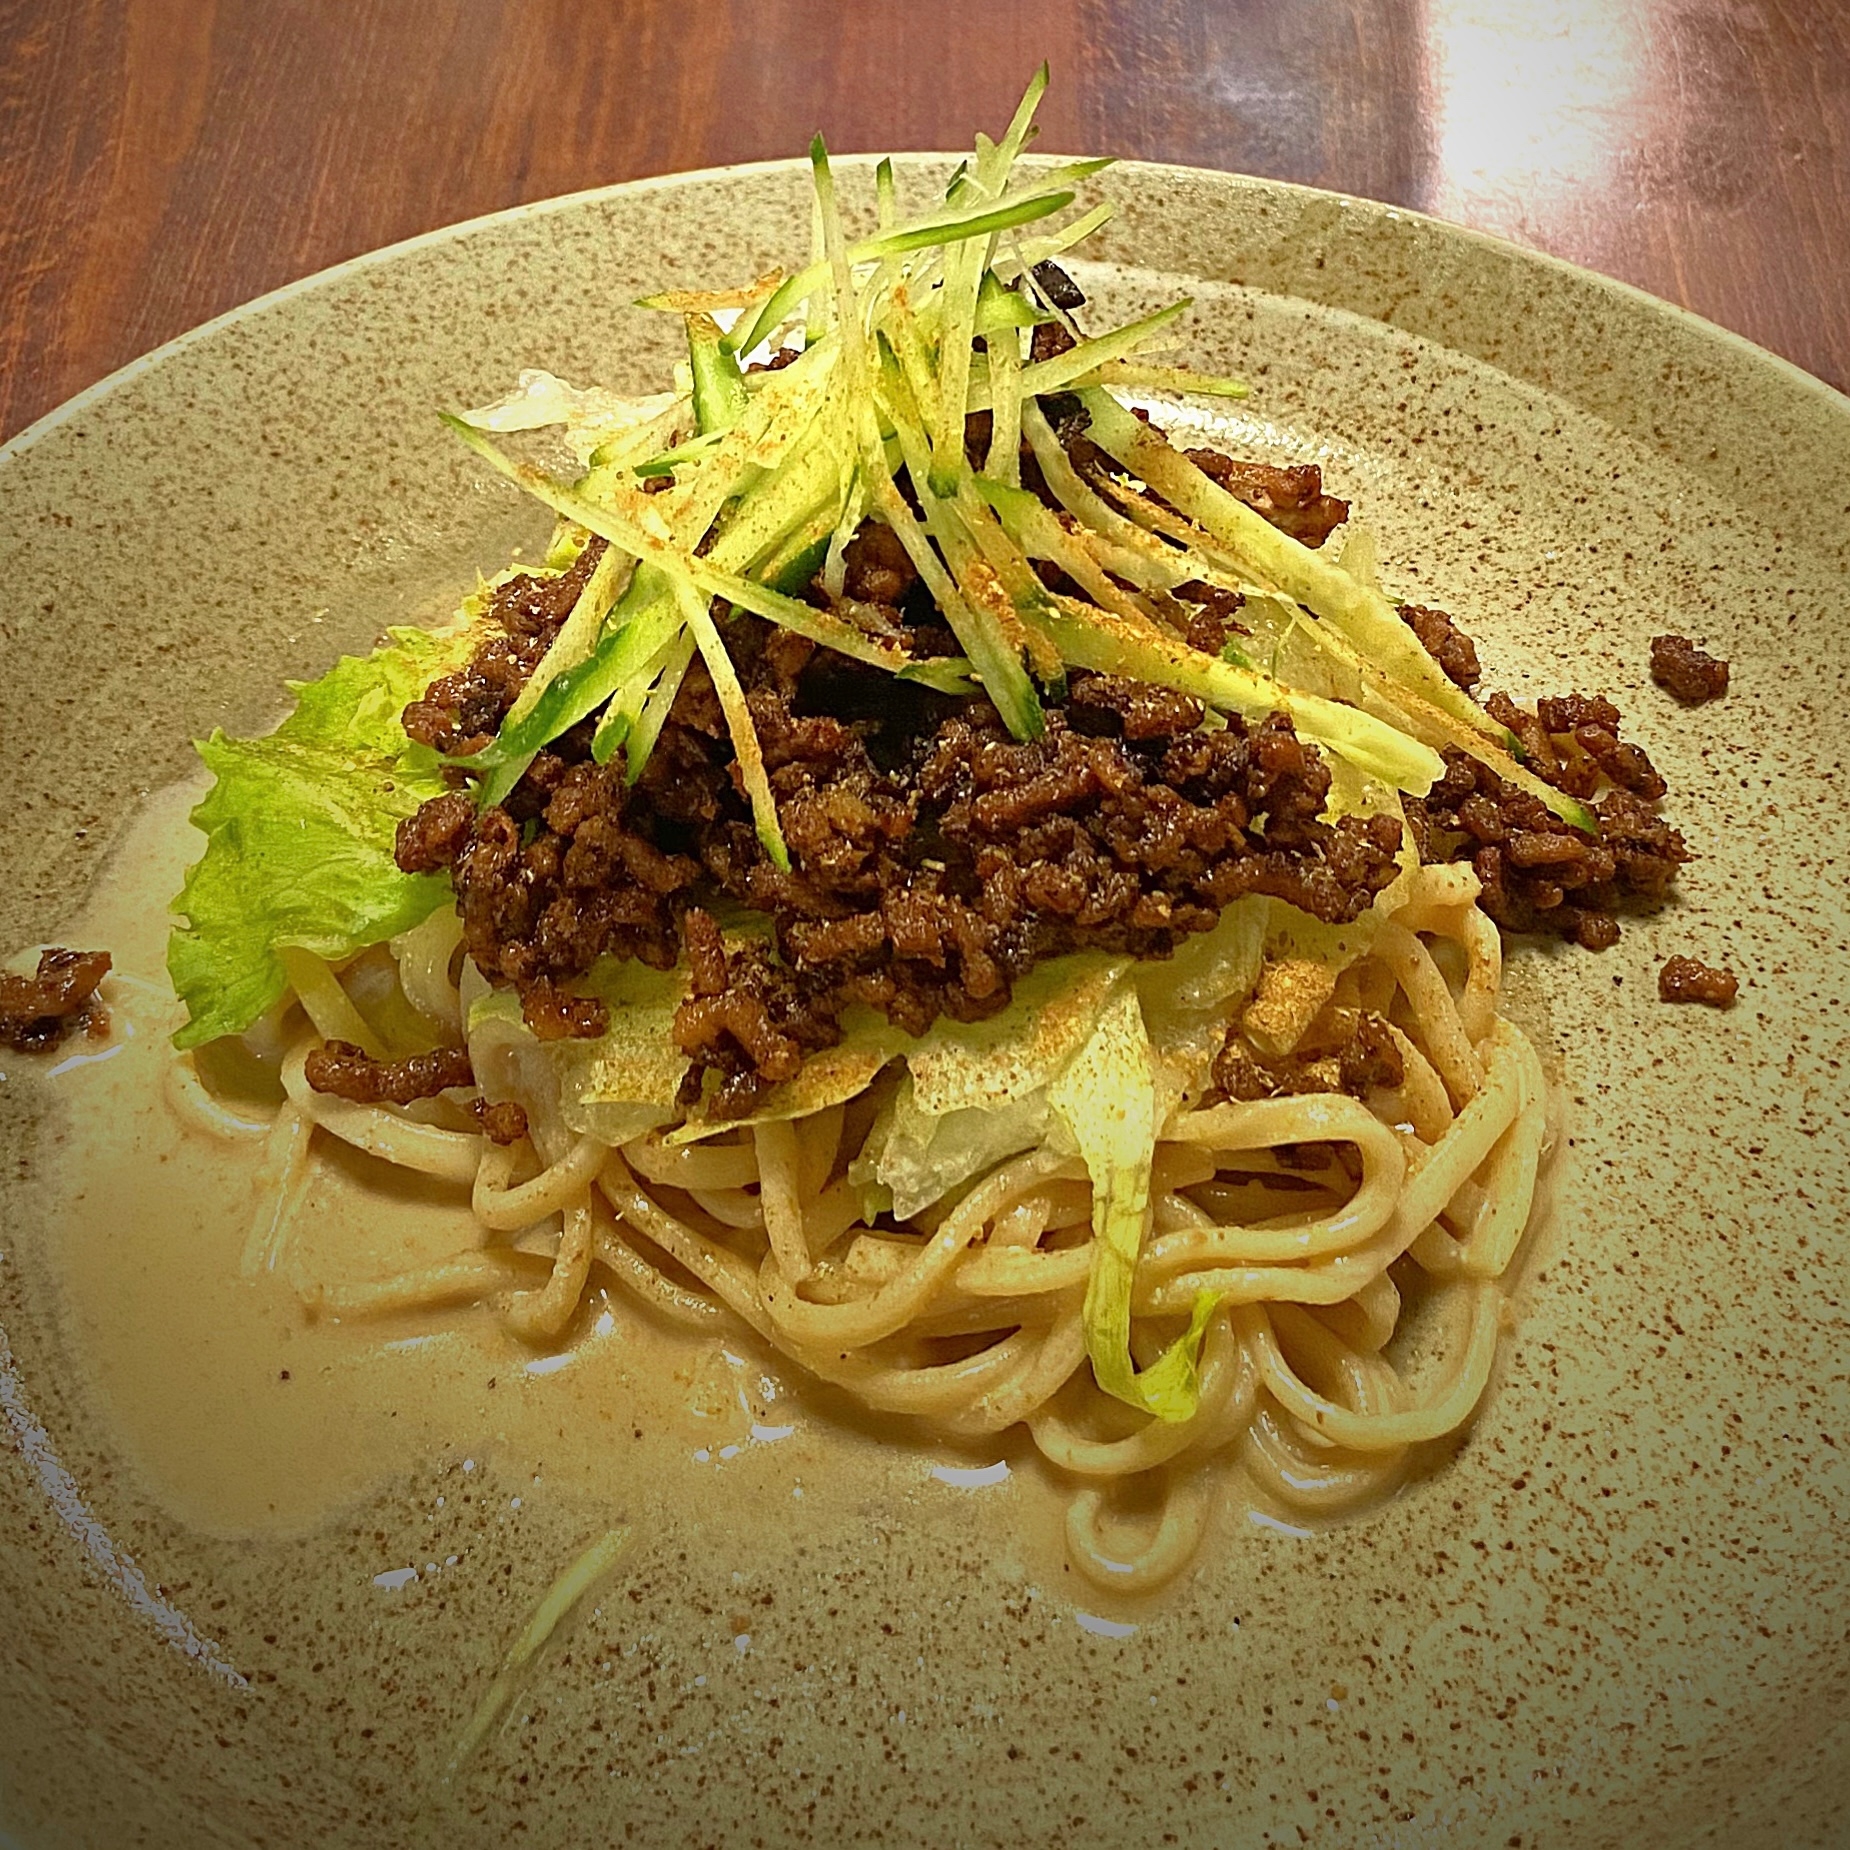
(1572, 740)
(502, 1121)
(879, 569)
(350, 1072)
(37, 1012)
(1351, 1051)
(1209, 616)
(935, 859)
(1292, 499)
(753, 1032)
(1692, 674)
(1059, 288)
(1538, 872)
(555, 1014)
(540, 906)
(461, 712)
(1445, 642)
(433, 835)
(1142, 711)
(1050, 338)
(1687, 979)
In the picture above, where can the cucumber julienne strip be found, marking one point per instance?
(995, 659)
(994, 166)
(645, 619)
(705, 301)
(746, 748)
(981, 623)
(842, 304)
(1136, 377)
(815, 309)
(1389, 697)
(1365, 617)
(1045, 377)
(1000, 312)
(646, 727)
(1089, 638)
(1423, 720)
(1002, 351)
(943, 229)
(1041, 536)
(579, 1577)
(677, 565)
(1162, 564)
(998, 308)
(624, 719)
(577, 636)
(1018, 595)
(1027, 252)
(965, 269)
(957, 302)
(719, 387)
(666, 462)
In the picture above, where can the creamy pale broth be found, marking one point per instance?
(244, 1414)
(365, 1513)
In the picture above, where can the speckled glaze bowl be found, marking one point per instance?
(1619, 1617)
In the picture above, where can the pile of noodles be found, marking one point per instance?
(1356, 1306)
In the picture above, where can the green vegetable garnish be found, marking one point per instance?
(1363, 616)
(1106, 1099)
(299, 829)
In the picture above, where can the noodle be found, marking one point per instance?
(280, 1184)
(196, 1108)
(1160, 1559)
(503, 1209)
(1426, 1186)
(424, 957)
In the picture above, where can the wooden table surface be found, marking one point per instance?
(163, 160)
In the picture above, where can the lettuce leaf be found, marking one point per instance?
(1303, 959)
(631, 1072)
(975, 1092)
(923, 1156)
(299, 829)
(1106, 1101)
(972, 1065)
(625, 1081)
(1189, 998)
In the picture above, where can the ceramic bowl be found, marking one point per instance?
(1617, 1617)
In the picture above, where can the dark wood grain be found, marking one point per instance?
(163, 160)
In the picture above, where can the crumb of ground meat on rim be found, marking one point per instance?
(1691, 674)
(40, 1011)
(1688, 979)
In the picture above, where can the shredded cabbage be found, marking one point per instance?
(589, 416)
(1106, 1102)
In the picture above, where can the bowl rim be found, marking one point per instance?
(1627, 296)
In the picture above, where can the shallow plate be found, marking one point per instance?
(1617, 1618)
